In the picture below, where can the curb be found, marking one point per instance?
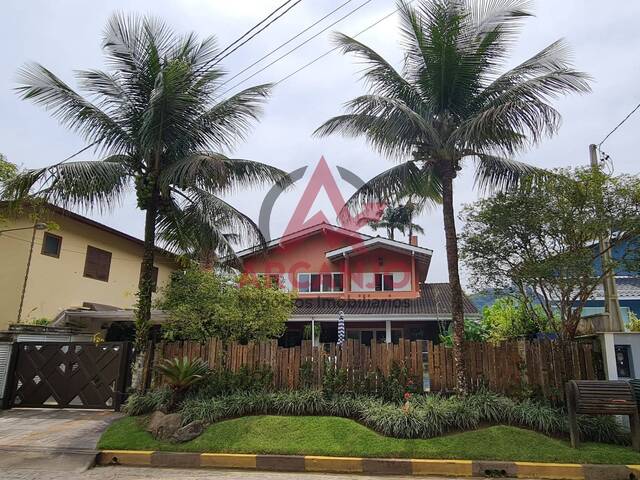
(376, 466)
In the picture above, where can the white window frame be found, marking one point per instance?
(382, 282)
(322, 290)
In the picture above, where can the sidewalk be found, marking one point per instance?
(51, 439)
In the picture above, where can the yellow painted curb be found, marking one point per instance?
(124, 457)
(227, 460)
(333, 464)
(564, 471)
(452, 468)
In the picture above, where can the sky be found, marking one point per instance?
(65, 35)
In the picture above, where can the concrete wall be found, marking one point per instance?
(55, 284)
(609, 341)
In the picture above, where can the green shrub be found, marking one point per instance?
(141, 404)
(422, 416)
(223, 382)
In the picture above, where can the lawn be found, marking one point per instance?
(333, 436)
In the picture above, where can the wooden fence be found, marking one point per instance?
(510, 367)
(541, 366)
(354, 360)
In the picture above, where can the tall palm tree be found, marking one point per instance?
(452, 102)
(159, 123)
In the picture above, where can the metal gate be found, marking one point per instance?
(69, 375)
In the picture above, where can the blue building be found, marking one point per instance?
(627, 281)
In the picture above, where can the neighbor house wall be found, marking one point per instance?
(56, 284)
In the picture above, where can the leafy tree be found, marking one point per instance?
(454, 101)
(542, 240)
(509, 318)
(158, 121)
(7, 169)
(202, 305)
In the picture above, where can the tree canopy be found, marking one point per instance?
(202, 305)
(541, 240)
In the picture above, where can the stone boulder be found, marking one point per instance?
(163, 426)
(188, 432)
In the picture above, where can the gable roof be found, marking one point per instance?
(303, 233)
(434, 301)
(628, 288)
(373, 242)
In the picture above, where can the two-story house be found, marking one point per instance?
(46, 271)
(378, 284)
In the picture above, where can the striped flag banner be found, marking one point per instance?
(341, 331)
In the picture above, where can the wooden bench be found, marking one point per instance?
(601, 397)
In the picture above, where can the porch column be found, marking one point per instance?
(346, 287)
(388, 331)
(313, 332)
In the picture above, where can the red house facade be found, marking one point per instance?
(378, 284)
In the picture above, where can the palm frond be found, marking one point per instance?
(218, 173)
(392, 185)
(44, 88)
(496, 173)
(84, 184)
(230, 121)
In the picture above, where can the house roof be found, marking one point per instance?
(628, 287)
(305, 232)
(105, 228)
(434, 300)
(372, 242)
(365, 242)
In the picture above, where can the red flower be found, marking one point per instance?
(407, 396)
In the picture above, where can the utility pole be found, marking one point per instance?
(611, 303)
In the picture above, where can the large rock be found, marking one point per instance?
(188, 432)
(163, 426)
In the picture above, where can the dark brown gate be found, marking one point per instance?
(69, 375)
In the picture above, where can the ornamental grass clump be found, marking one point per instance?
(143, 403)
(421, 416)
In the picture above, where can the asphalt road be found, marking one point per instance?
(133, 473)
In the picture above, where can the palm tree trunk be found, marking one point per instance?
(143, 314)
(457, 309)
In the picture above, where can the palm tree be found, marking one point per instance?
(159, 123)
(397, 218)
(453, 101)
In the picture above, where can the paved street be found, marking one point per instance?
(128, 473)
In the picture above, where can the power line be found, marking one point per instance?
(218, 58)
(302, 44)
(619, 125)
(287, 42)
(336, 48)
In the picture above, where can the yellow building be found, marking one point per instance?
(80, 261)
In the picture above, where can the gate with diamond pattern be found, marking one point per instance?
(69, 375)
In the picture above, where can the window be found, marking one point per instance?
(51, 245)
(273, 280)
(97, 264)
(384, 282)
(320, 282)
(154, 278)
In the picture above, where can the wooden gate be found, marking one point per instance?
(69, 375)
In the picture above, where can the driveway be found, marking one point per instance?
(51, 439)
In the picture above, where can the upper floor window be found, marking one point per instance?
(51, 245)
(97, 264)
(320, 282)
(384, 282)
(273, 280)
